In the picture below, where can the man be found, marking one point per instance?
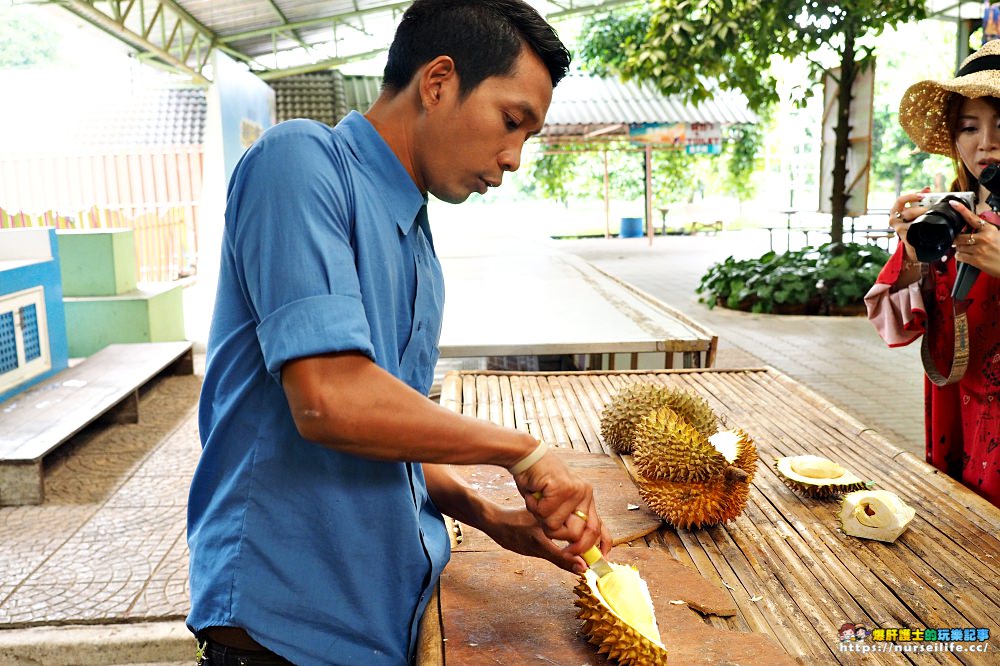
(313, 521)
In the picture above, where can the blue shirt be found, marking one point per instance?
(323, 557)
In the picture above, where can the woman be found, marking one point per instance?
(958, 117)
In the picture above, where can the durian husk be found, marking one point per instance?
(811, 482)
(621, 416)
(612, 635)
(874, 514)
(719, 495)
(668, 447)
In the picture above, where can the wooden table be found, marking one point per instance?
(543, 304)
(792, 574)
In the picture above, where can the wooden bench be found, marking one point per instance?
(105, 385)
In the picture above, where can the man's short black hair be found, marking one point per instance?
(483, 37)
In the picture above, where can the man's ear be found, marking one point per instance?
(437, 79)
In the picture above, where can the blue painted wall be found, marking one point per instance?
(45, 274)
(246, 104)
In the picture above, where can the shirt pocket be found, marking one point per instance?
(421, 354)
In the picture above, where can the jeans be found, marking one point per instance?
(216, 654)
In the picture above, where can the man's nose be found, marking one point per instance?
(510, 159)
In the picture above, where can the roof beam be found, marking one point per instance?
(153, 35)
(142, 34)
(573, 9)
(310, 23)
(332, 63)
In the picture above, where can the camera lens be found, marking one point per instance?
(932, 234)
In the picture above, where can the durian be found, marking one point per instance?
(621, 416)
(687, 478)
(625, 629)
(817, 477)
(874, 514)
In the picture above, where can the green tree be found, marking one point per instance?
(571, 171)
(24, 38)
(687, 47)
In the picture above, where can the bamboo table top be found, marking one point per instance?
(793, 575)
(550, 303)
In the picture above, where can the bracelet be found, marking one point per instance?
(527, 461)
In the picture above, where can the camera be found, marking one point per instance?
(932, 234)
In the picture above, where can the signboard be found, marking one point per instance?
(694, 138)
(662, 134)
(859, 149)
(704, 139)
(991, 21)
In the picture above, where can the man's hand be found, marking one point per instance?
(514, 529)
(563, 504)
(518, 531)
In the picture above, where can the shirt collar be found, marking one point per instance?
(394, 181)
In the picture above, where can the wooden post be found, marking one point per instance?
(649, 192)
(607, 202)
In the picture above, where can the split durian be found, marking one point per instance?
(618, 617)
(689, 479)
(817, 477)
(874, 514)
(621, 416)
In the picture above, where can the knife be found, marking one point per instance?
(595, 560)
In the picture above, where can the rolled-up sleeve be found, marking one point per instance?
(312, 326)
(292, 240)
(898, 315)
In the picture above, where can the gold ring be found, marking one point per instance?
(972, 240)
(898, 215)
(581, 515)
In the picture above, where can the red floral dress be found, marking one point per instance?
(962, 419)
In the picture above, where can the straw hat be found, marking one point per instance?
(924, 105)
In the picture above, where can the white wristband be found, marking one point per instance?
(527, 461)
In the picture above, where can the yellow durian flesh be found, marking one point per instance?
(816, 476)
(627, 595)
(815, 467)
(610, 628)
(875, 514)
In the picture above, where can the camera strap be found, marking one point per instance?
(960, 356)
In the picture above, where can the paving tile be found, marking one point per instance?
(31, 534)
(146, 491)
(167, 593)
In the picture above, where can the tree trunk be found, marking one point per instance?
(848, 71)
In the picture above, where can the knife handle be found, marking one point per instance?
(592, 555)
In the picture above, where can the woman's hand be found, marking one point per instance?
(981, 246)
(902, 213)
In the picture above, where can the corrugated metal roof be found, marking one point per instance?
(309, 22)
(324, 96)
(583, 104)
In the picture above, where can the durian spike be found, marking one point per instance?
(605, 629)
(622, 415)
(667, 447)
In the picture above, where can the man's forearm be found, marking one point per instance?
(454, 497)
(348, 403)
